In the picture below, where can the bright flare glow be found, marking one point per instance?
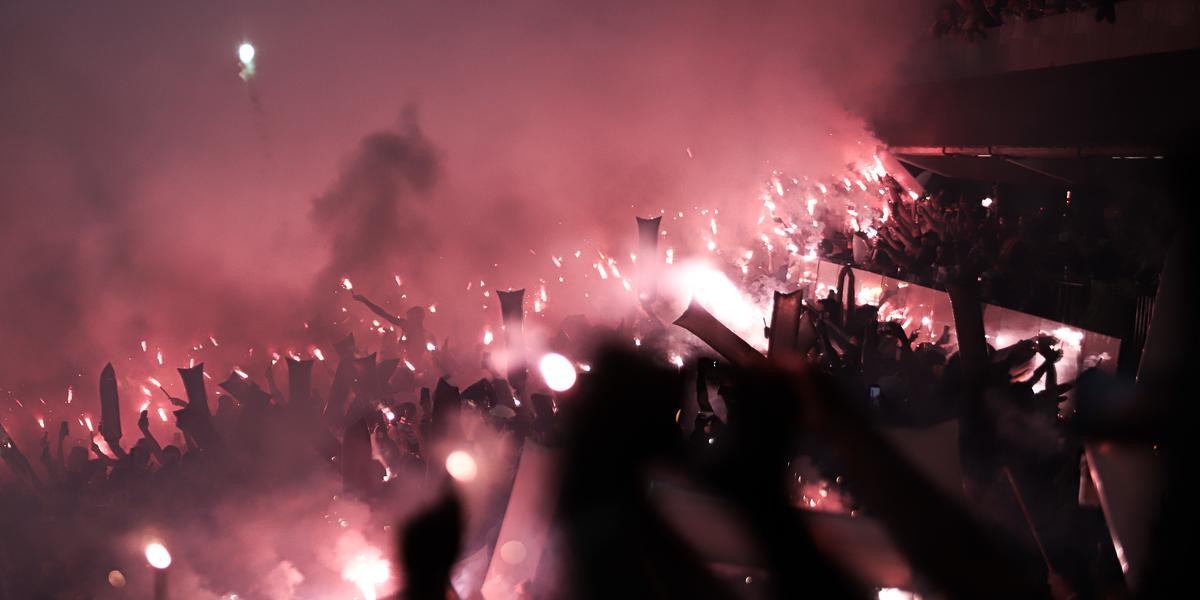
(487, 336)
(558, 372)
(246, 53)
(986, 202)
(367, 571)
(895, 594)
(709, 286)
(157, 556)
(461, 466)
(347, 284)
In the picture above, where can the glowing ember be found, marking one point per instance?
(87, 422)
(558, 372)
(487, 336)
(430, 347)
(241, 373)
(41, 422)
(158, 556)
(461, 466)
(154, 382)
(317, 353)
(409, 365)
(162, 414)
(346, 283)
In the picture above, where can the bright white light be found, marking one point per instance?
(708, 285)
(895, 594)
(157, 556)
(558, 372)
(367, 571)
(461, 466)
(986, 202)
(246, 53)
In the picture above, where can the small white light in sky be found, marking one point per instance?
(246, 53)
(986, 202)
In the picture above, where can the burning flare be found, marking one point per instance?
(157, 555)
(558, 372)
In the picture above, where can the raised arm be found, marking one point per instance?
(381, 311)
(144, 425)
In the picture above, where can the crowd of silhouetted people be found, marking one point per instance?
(380, 424)
(971, 19)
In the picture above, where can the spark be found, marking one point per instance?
(162, 414)
(143, 345)
(399, 283)
(213, 340)
(87, 422)
(159, 357)
(433, 308)
(41, 422)
(346, 283)
(317, 353)
(241, 373)
(154, 382)
(409, 365)
(487, 336)
(430, 347)
(986, 202)
(70, 394)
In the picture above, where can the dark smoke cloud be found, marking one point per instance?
(377, 211)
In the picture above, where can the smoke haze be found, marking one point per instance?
(148, 193)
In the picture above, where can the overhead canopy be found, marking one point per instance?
(1141, 101)
(1061, 124)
